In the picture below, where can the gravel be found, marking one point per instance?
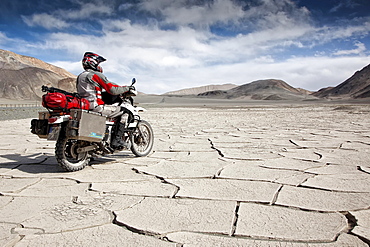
(11, 113)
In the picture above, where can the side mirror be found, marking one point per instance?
(133, 81)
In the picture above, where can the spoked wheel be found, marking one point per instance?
(142, 139)
(67, 156)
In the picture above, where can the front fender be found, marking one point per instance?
(131, 108)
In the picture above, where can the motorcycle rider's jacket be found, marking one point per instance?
(90, 85)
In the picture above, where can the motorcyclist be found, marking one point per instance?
(91, 83)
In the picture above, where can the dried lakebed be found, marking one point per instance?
(294, 175)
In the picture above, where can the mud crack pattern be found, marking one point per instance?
(274, 175)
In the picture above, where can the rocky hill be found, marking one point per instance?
(202, 89)
(269, 89)
(21, 77)
(357, 86)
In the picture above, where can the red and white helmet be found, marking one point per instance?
(92, 61)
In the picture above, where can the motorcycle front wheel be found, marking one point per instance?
(142, 139)
(67, 156)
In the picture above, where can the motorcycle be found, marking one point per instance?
(81, 134)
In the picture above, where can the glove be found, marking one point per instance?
(126, 88)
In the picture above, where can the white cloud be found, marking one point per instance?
(87, 10)
(218, 11)
(60, 19)
(15, 44)
(361, 48)
(45, 20)
(73, 67)
(344, 4)
(3, 38)
(126, 6)
(268, 14)
(358, 28)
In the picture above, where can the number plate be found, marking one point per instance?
(54, 133)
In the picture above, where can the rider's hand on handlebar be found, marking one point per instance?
(128, 88)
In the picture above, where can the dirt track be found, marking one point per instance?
(293, 175)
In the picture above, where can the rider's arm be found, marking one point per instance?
(110, 87)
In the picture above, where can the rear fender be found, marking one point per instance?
(58, 119)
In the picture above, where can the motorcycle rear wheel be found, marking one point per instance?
(67, 156)
(142, 139)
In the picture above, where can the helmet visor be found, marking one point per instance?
(94, 56)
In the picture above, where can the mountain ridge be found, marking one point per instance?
(22, 76)
(14, 61)
(201, 89)
(357, 86)
(268, 89)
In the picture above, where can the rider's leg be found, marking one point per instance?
(109, 110)
(119, 130)
(119, 126)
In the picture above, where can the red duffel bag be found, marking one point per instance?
(60, 101)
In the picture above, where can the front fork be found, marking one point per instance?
(128, 123)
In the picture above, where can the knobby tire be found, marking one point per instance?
(142, 139)
(64, 153)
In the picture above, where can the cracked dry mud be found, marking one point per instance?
(295, 175)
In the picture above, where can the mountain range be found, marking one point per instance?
(270, 89)
(202, 89)
(21, 78)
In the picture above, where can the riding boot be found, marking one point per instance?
(117, 142)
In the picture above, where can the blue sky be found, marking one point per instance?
(174, 44)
